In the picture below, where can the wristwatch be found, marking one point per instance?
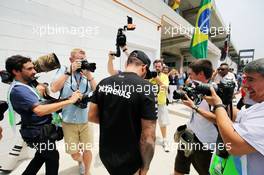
(67, 71)
(195, 107)
(219, 105)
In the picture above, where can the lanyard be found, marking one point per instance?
(78, 84)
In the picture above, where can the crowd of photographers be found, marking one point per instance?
(127, 117)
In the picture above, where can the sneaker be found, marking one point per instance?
(81, 168)
(166, 146)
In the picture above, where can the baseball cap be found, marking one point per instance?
(141, 56)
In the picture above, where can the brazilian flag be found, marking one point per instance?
(199, 44)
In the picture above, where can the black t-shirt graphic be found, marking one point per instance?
(123, 100)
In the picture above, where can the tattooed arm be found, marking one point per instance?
(147, 143)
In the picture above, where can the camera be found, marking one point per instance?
(43, 63)
(46, 63)
(121, 37)
(83, 102)
(87, 66)
(188, 90)
(151, 74)
(225, 90)
(3, 108)
(6, 77)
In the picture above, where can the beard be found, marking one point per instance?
(29, 79)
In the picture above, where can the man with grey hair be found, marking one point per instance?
(245, 133)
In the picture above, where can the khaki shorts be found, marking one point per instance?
(77, 137)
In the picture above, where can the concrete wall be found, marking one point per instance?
(37, 27)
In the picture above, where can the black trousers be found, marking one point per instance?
(48, 155)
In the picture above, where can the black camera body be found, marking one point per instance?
(151, 74)
(189, 91)
(6, 77)
(225, 90)
(87, 66)
(83, 102)
(120, 38)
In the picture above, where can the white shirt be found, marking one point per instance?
(203, 129)
(249, 125)
(228, 76)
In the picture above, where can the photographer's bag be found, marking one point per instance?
(222, 163)
(186, 139)
(225, 166)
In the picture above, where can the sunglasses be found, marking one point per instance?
(222, 69)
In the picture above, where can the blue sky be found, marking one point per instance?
(246, 18)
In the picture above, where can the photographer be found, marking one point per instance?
(77, 132)
(245, 134)
(162, 81)
(223, 73)
(36, 118)
(111, 57)
(200, 126)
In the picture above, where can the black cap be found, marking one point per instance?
(141, 56)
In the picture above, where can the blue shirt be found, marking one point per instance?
(72, 113)
(23, 100)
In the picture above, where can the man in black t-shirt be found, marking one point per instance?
(124, 106)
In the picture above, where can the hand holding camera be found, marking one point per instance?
(87, 74)
(75, 96)
(224, 92)
(76, 65)
(214, 99)
(188, 102)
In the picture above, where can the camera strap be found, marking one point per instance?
(78, 84)
(11, 113)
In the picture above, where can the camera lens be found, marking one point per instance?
(179, 95)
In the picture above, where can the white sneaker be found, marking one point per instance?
(166, 146)
(81, 168)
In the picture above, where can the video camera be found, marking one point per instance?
(121, 37)
(225, 90)
(44, 63)
(87, 66)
